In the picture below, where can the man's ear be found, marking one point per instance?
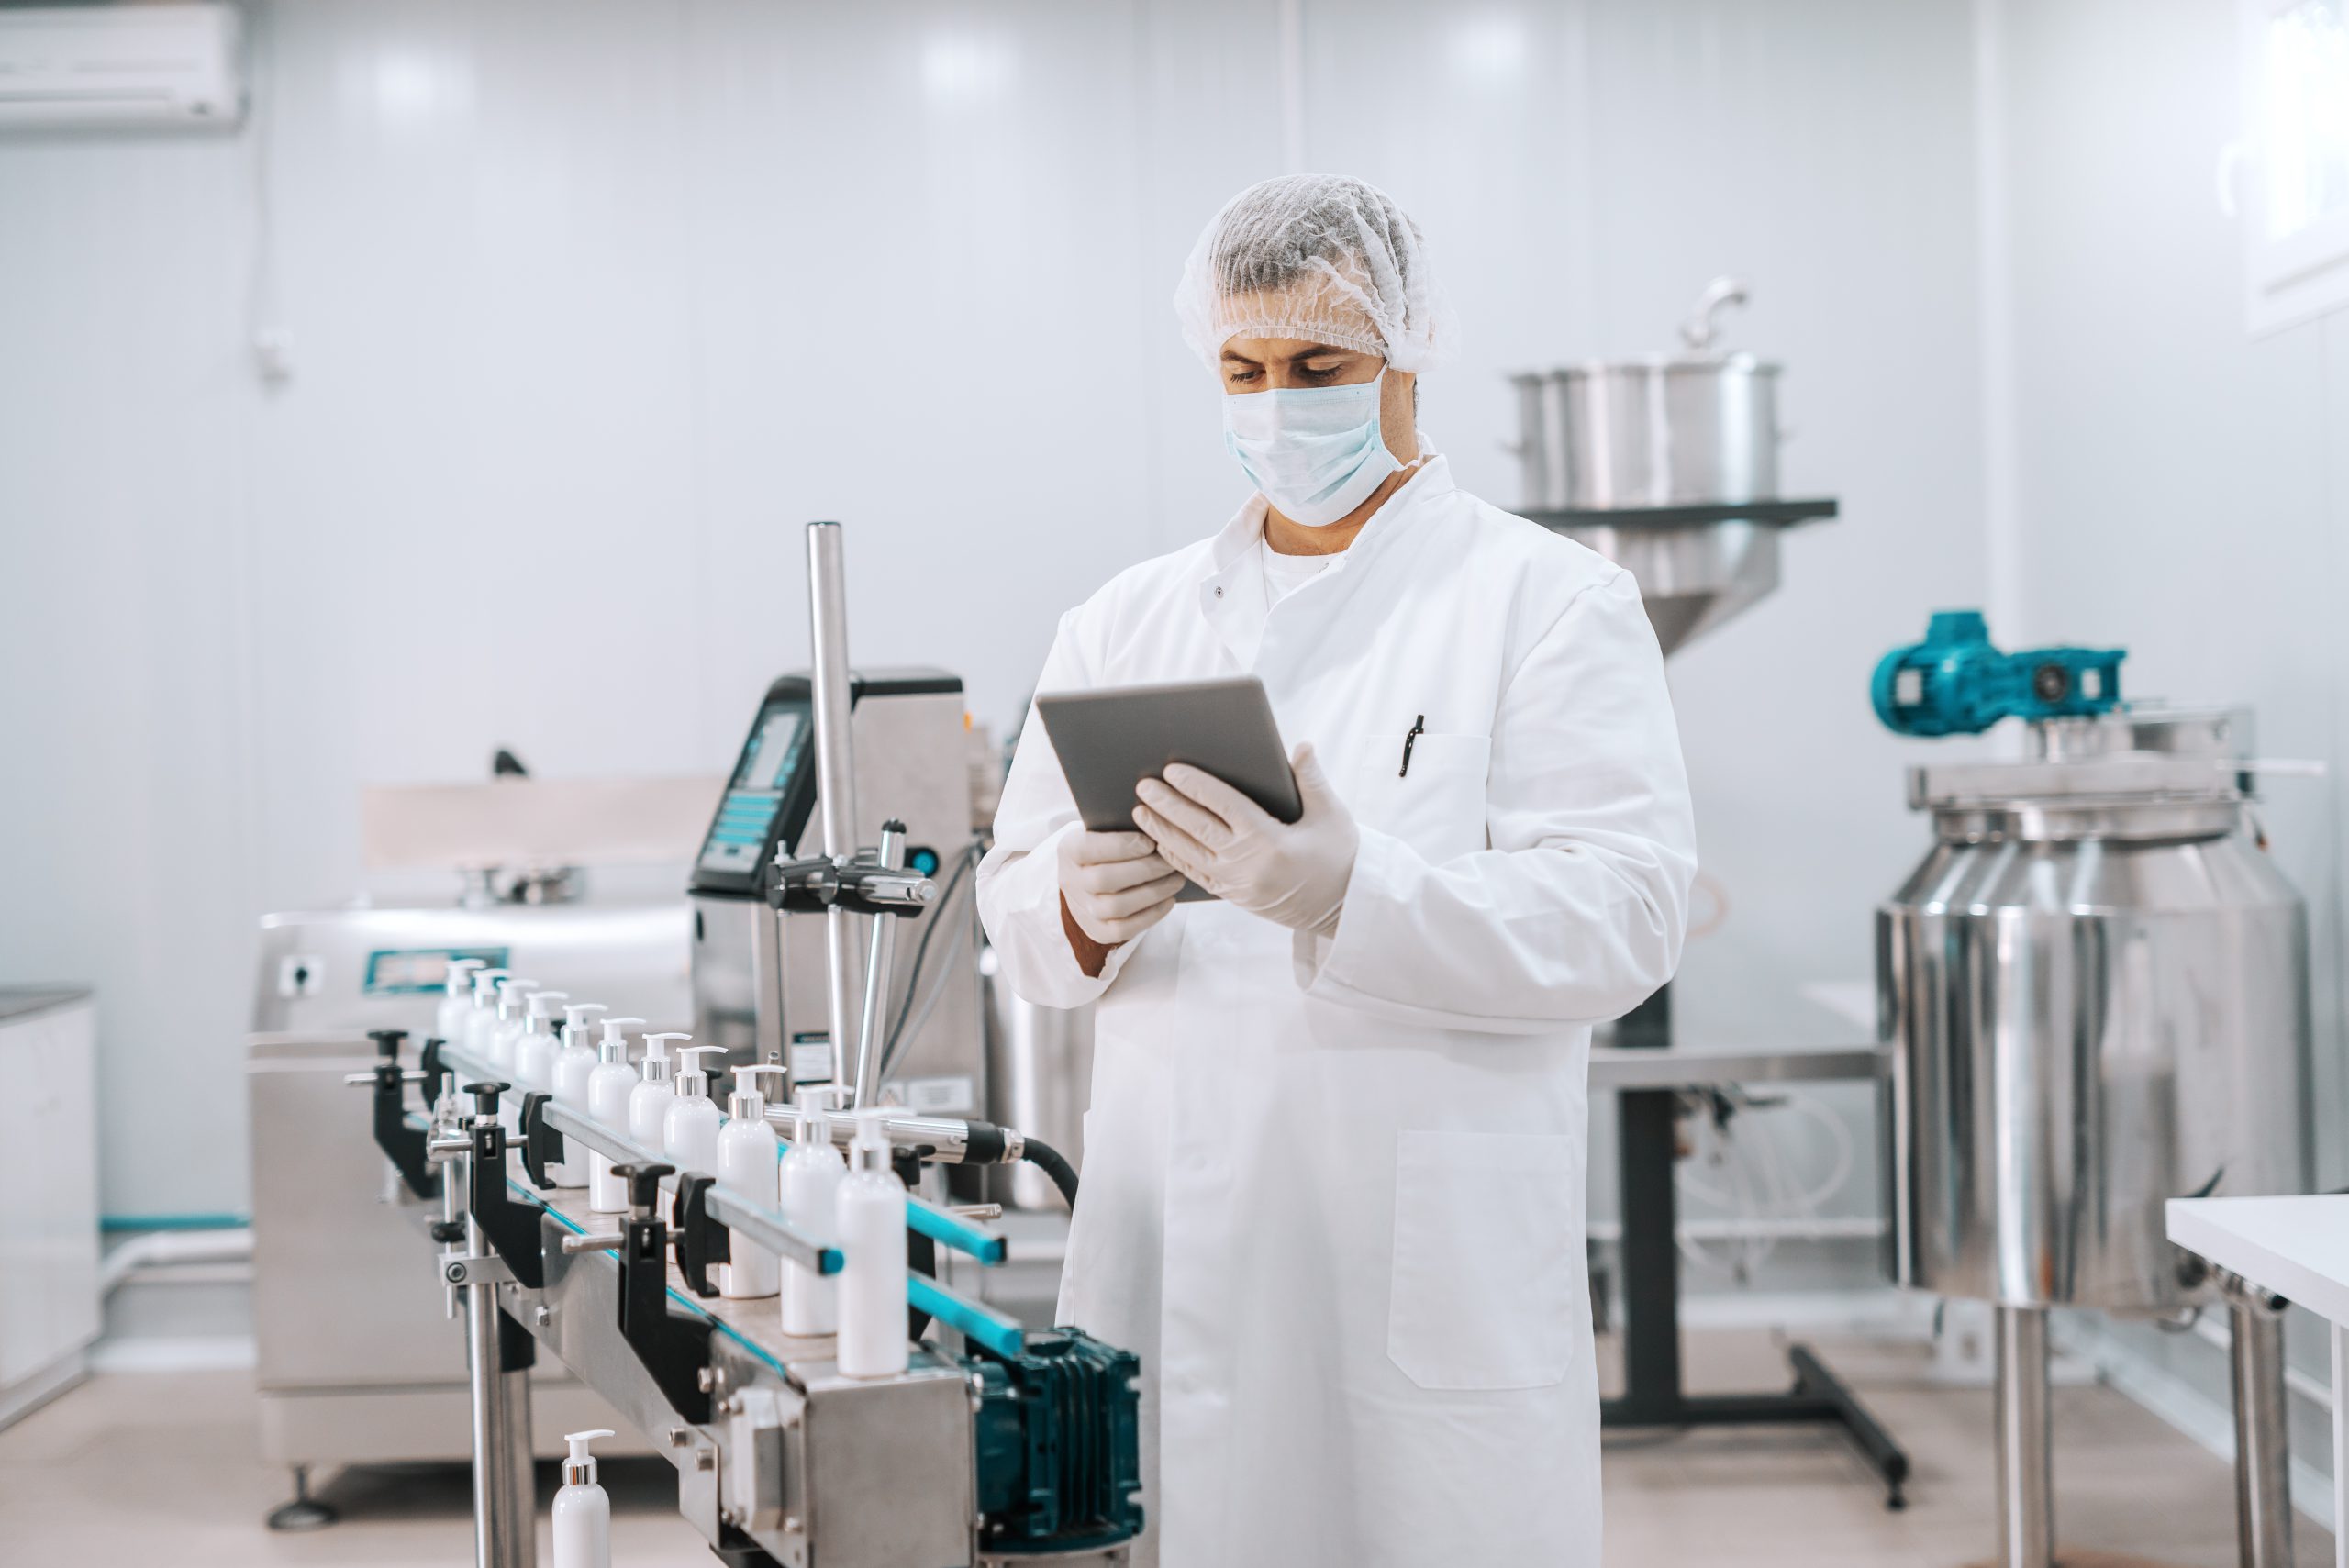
(1403, 442)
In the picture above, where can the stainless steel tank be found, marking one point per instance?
(2097, 986)
(2095, 989)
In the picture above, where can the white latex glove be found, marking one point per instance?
(1116, 885)
(1293, 873)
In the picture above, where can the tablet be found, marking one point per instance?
(1111, 740)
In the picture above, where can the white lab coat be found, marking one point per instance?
(1333, 1189)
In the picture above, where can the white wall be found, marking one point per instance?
(592, 304)
(2180, 488)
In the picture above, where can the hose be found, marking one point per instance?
(1054, 1165)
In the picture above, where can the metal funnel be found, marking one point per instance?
(1697, 566)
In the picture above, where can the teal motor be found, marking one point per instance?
(1059, 1455)
(1955, 683)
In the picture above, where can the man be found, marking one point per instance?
(1334, 1164)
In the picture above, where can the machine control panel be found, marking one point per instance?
(772, 794)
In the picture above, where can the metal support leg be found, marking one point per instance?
(504, 1525)
(2026, 1479)
(519, 1512)
(305, 1512)
(2340, 1337)
(2263, 1439)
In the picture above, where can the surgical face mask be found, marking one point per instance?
(1314, 451)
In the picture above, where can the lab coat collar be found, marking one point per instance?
(1231, 590)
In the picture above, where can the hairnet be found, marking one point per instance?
(1318, 257)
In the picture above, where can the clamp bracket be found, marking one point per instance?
(490, 1270)
(402, 1144)
(673, 1346)
(701, 1240)
(512, 1228)
(541, 1144)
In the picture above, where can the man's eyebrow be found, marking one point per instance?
(1320, 351)
(1235, 355)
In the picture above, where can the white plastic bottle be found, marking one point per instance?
(513, 1001)
(574, 1065)
(690, 1125)
(483, 1017)
(583, 1514)
(456, 998)
(746, 1167)
(607, 1091)
(872, 1208)
(531, 1061)
(811, 1181)
(648, 1101)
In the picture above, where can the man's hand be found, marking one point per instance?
(1114, 887)
(1293, 873)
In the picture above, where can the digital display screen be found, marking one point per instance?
(774, 753)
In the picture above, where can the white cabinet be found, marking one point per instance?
(49, 1227)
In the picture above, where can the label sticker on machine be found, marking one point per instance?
(937, 1097)
(415, 972)
(811, 1060)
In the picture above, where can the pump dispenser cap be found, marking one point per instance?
(616, 1038)
(656, 1056)
(485, 983)
(510, 994)
(542, 1003)
(460, 974)
(811, 1108)
(579, 1470)
(747, 1102)
(575, 1022)
(694, 1079)
(870, 1150)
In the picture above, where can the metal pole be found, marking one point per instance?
(835, 759)
(519, 1542)
(2263, 1441)
(2026, 1481)
(876, 974)
(488, 1391)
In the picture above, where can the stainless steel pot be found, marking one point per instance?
(1694, 429)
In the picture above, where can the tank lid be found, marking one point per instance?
(2160, 728)
(2119, 778)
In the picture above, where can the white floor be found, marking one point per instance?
(161, 1468)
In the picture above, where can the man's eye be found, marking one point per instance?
(1323, 372)
(1240, 377)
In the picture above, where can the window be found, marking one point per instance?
(2295, 57)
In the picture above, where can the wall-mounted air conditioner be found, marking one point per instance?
(121, 65)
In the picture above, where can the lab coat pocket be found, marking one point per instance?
(1484, 1293)
(1436, 805)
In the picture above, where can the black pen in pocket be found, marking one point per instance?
(1418, 727)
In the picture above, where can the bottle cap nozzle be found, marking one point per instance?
(485, 983)
(869, 1151)
(695, 1078)
(656, 1056)
(616, 1038)
(460, 974)
(543, 1004)
(812, 1106)
(579, 1470)
(748, 1102)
